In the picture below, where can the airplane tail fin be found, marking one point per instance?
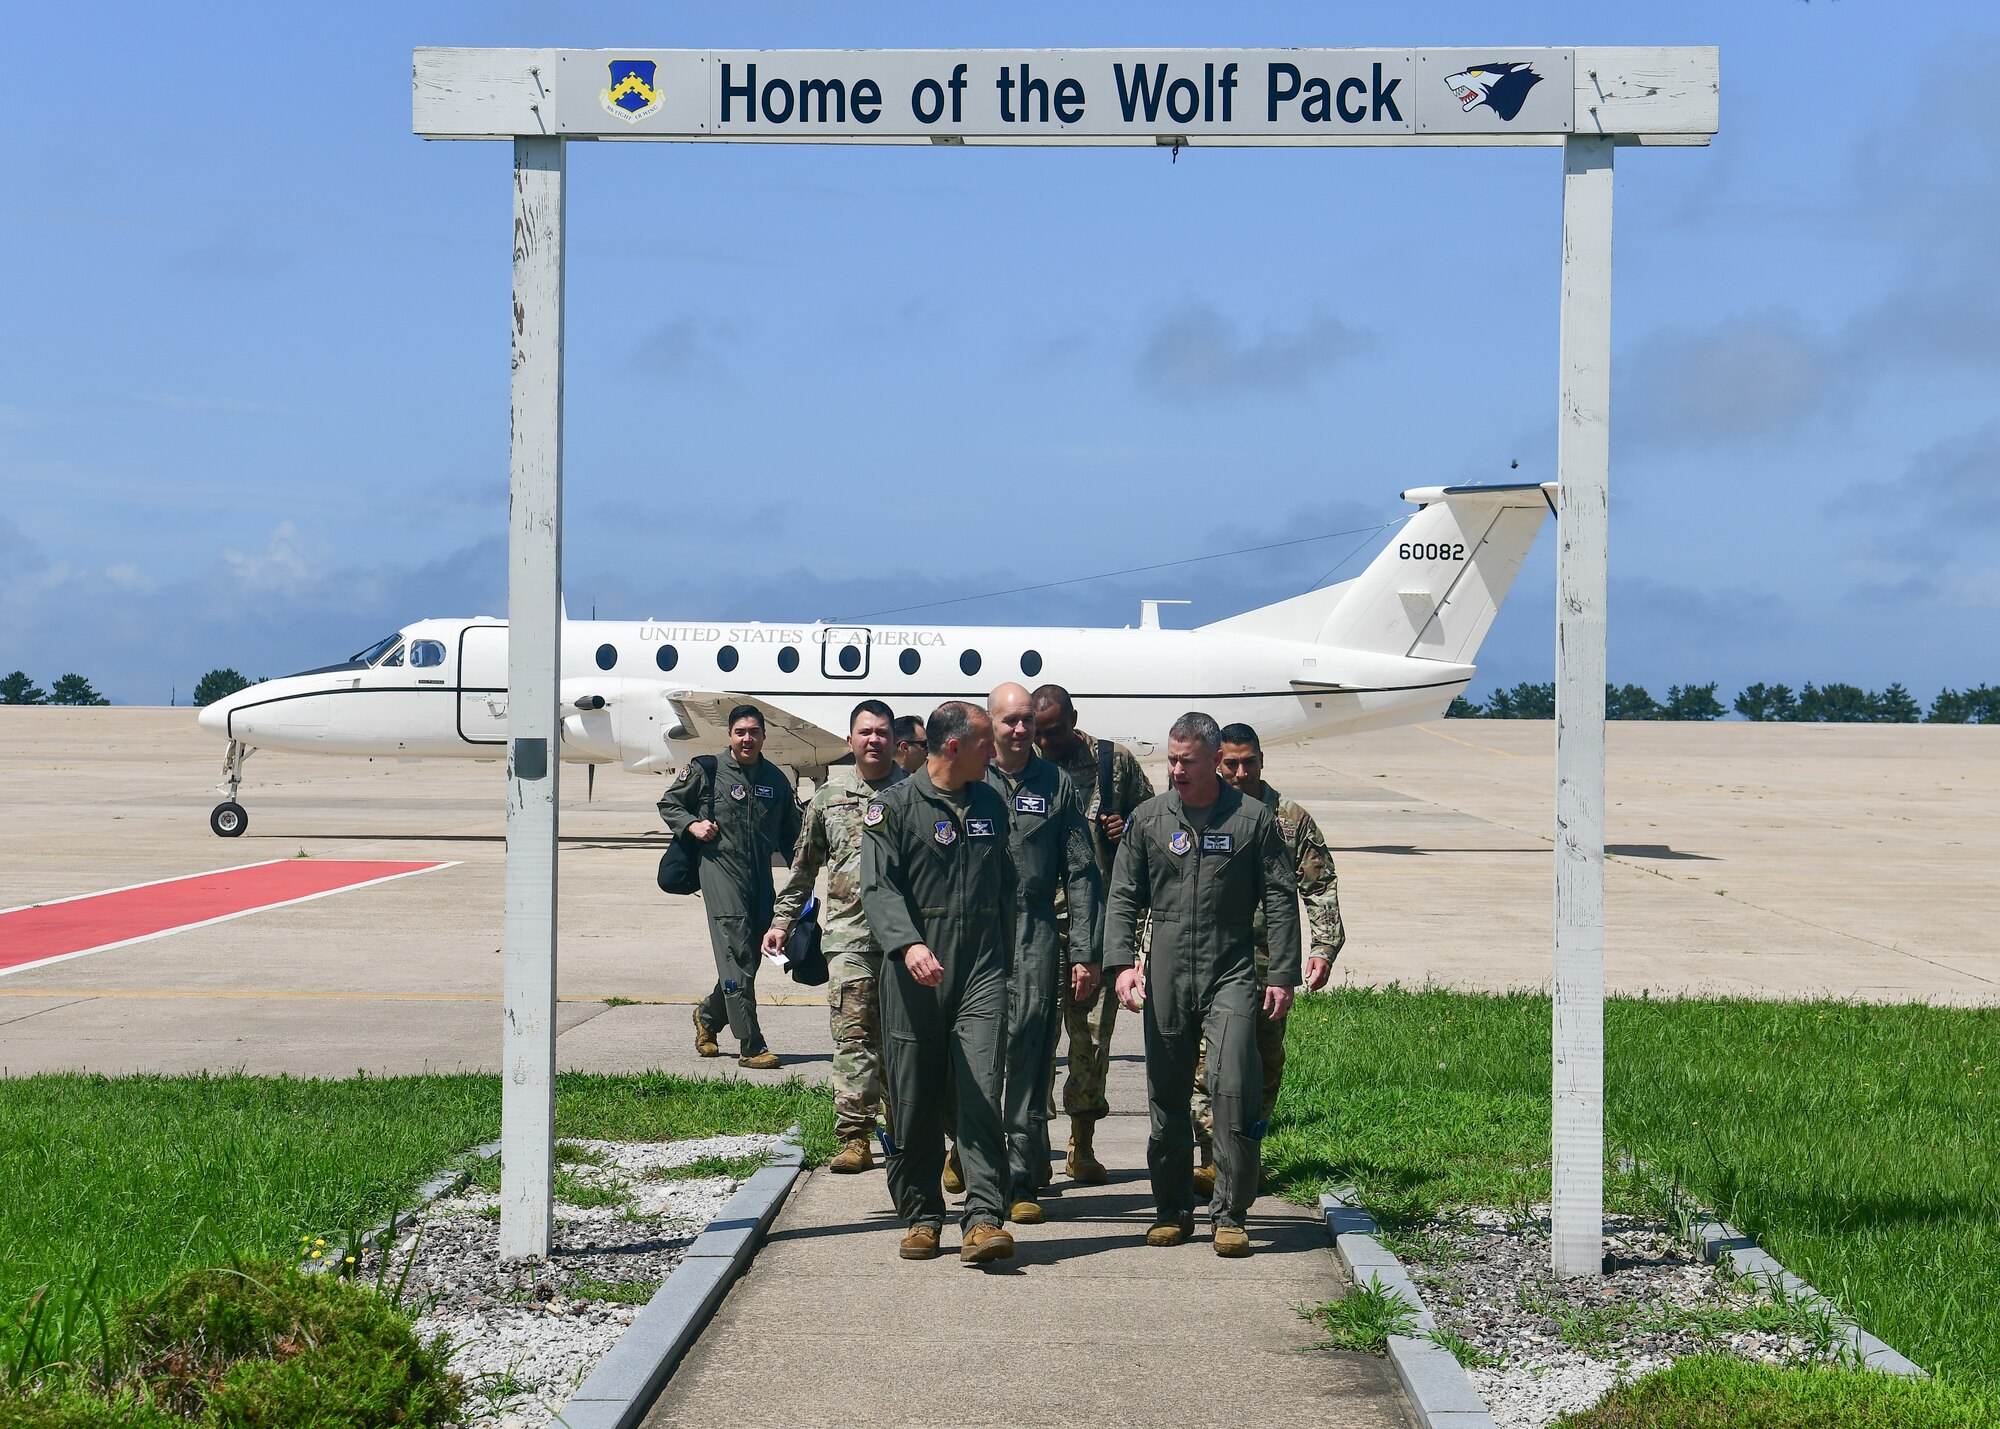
(1434, 589)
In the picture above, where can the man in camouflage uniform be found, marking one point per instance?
(1243, 771)
(1052, 851)
(740, 819)
(1202, 859)
(831, 839)
(1088, 1020)
(911, 744)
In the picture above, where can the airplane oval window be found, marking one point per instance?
(607, 656)
(909, 660)
(1031, 662)
(850, 658)
(427, 654)
(725, 658)
(788, 659)
(969, 662)
(667, 658)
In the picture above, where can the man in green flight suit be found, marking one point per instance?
(1091, 764)
(1050, 844)
(1202, 859)
(937, 886)
(831, 839)
(742, 815)
(1243, 771)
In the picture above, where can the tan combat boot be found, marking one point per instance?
(983, 1243)
(1026, 1213)
(1174, 1232)
(919, 1243)
(954, 1173)
(704, 1040)
(1204, 1180)
(765, 1061)
(852, 1158)
(1083, 1166)
(1232, 1242)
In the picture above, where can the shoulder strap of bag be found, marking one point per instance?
(709, 765)
(1105, 752)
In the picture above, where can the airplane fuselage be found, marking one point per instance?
(446, 695)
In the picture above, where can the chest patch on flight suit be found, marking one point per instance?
(979, 828)
(873, 816)
(764, 792)
(947, 832)
(737, 791)
(1218, 843)
(1180, 842)
(1030, 804)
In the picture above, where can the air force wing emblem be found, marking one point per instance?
(1180, 842)
(1501, 87)
(633, 95)
(947, 832)
(873, 816)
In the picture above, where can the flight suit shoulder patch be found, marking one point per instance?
(874, 814)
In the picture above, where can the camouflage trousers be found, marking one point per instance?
(1270, 1047)
(1088, 1026)
(854, 1007)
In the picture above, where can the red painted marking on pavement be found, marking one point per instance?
(66, 928)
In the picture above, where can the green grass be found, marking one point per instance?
(1720, 1393)
(121, 1182)
(1364, 1318)
(1859, 1144)
(618, 1292)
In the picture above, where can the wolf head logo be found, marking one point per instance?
(1501, 87)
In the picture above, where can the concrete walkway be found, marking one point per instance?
(1086, 1325)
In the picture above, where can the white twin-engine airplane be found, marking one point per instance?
(1392, 646)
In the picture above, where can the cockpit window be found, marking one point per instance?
(377, 650)
(394, 657)
(427, 654)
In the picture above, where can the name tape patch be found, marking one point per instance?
(1030, 804)
(979, 828)
(765, 791)
(1218, 843)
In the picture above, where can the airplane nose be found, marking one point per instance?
(215, 717)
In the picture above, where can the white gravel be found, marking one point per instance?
(1556, 1346)
(525, 1336)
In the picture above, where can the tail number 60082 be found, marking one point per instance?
(1431, 550)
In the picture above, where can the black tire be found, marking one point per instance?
(227, 820)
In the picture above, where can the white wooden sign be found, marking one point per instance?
(1588, 101)
(1497, 95)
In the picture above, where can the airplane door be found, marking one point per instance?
(843, 652)
(482, 684)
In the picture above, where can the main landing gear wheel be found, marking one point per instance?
(228, 820)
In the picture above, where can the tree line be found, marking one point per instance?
(1832, 703)
(18, 689)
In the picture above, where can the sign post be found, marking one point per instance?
(1585, 101)
(534, 674)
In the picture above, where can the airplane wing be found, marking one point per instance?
(789, 738)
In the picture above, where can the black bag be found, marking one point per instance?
(680, 865)
(804, 958)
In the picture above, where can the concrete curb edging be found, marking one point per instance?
(1719, 1241)
(1438, 1387)
(623, 1386)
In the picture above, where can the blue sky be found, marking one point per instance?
(253, 402)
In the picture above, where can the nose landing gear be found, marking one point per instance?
(227, 819)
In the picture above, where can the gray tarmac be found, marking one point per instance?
(1746, 860)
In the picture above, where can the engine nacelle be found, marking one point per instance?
(607, 719)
